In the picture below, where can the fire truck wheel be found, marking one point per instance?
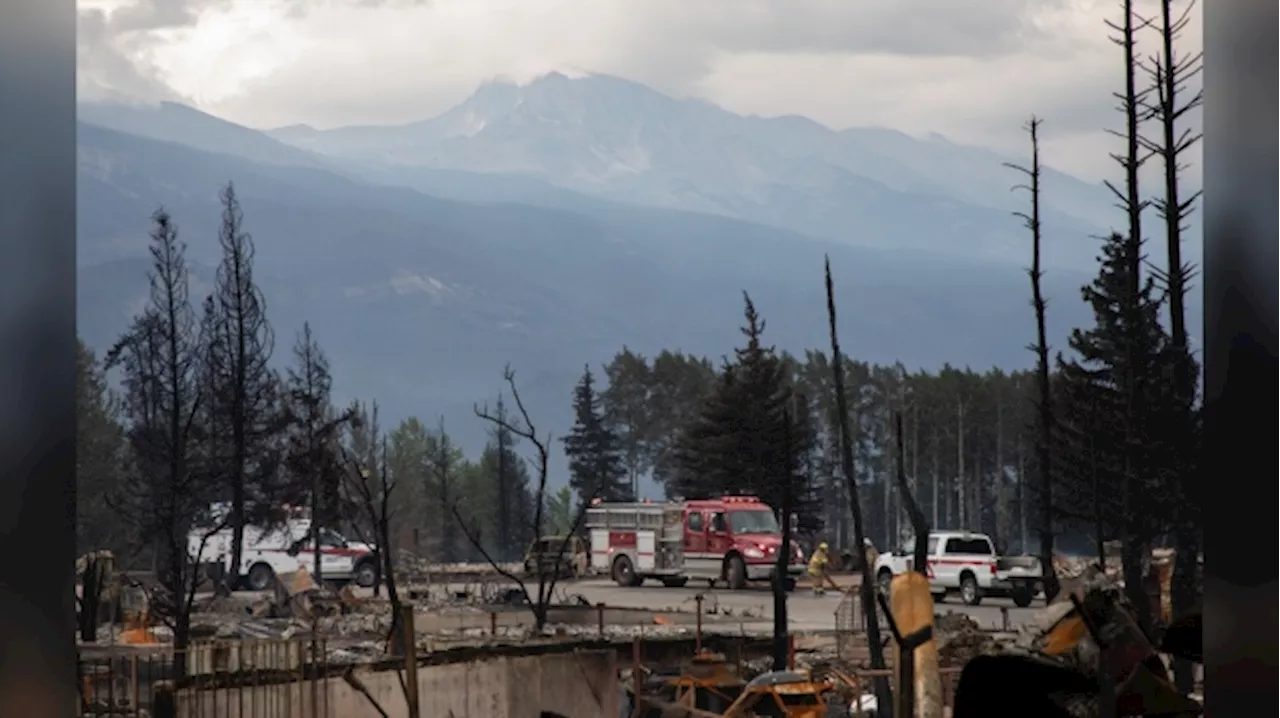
(674, 582)
(736, 573)
(260, 575)
(623, 573)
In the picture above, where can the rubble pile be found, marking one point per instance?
(414, 568)
(960, 638)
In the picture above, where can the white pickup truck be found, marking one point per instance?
(966, 563)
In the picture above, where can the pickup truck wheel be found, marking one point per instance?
(969, 591)
(884, 581)
(366, 574)
(260, 576)
(1021, 596)
(736, 573)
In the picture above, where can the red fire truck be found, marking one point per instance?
(734, 539)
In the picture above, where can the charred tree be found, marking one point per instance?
(167, 493)
(244, 390)
(1002, 498)
(547, 572)
(1133, 545)
(314, 473)
(506, 511)
(780, 577)
(1170, 74)
(919, 524)
(866, 592)
(961, 484)
(1044, 401)
(370, 488)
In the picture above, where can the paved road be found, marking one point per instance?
(805, 612)
(752, 605)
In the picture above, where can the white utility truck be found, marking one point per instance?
(966, 563)
(283, 549)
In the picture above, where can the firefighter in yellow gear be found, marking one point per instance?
(818, 569)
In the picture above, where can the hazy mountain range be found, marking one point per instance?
(547, 225)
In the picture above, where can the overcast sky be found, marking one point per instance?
(971, 70)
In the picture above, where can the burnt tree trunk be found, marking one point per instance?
(866, 591)
(781, 648)
(962, 484)
(1044, 402)
(919, 524)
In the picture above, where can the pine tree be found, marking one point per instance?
(596, 466)
(1124, 362)
(498, 461)
(627, 412)
(738, 444)
(507, 473)
(679, 384)
(559, 512)
(448, 466)
(99, 456)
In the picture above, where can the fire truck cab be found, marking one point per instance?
(734, 539)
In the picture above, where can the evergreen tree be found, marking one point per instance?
(596, 466)
(626, 412)
(99, 457)
(507, 473)
(1123, 364)
(448, 469)
(738, 444)
(678, 385)
(559, 512)
(409, 461)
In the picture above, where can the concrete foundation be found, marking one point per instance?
(438, 620)
(573, 684)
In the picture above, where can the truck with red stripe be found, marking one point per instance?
(730, 539)
(269, 551)
(966, 563)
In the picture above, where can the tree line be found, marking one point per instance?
(688, 424)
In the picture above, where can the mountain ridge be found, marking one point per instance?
(614, 138)
(421, 301)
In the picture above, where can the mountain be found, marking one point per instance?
(617, 139)
(172, 122)
(420, 301)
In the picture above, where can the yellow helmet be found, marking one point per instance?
(822, 546)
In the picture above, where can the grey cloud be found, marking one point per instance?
(104, 69)
(158, 14)
(914, 27)
(109, 47)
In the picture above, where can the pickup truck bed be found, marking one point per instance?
(965, 563)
